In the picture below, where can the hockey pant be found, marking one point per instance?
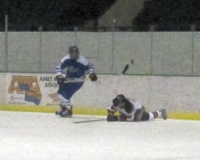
(141, 115)
(66, 91)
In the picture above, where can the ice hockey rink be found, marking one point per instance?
(40, 136)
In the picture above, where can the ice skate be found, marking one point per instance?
(62, 109)
(163, 113)
(66, 113)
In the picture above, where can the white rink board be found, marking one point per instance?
(174, 93)
(3, 87)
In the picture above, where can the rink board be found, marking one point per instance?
(179, 95)
(90, 111)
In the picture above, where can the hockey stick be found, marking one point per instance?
(127, 66)
(86, 121)
(77, 80)
(125, 69)
(80, 80)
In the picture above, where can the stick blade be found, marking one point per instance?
(125, 69)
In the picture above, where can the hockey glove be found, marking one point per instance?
(112, 118)
(60, 79)
(110, 112)
(93, 77)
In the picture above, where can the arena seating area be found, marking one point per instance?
(168, 15)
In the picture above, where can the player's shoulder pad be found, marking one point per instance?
(83, 60)
(65, 58)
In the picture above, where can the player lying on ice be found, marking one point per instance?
(76, 67)
(130, 110)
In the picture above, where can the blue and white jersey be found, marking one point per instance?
(74, 68)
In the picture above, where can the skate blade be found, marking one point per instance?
(68, 116)
(57, 113)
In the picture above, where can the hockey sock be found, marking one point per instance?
(66, 104)
(154, 115)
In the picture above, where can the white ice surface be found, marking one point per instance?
(38, 136)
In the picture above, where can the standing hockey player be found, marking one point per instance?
(76, 67)
(130, 110)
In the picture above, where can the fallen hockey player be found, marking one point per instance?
(130, 110)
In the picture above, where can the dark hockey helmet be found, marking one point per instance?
(119, 99)
(73, 49)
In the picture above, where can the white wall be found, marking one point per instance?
(2, 52)
(105, 54)
(172, 53)
(23, 52)
(54, 47)
(135, 46)
(196, 55)
(160, 53)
